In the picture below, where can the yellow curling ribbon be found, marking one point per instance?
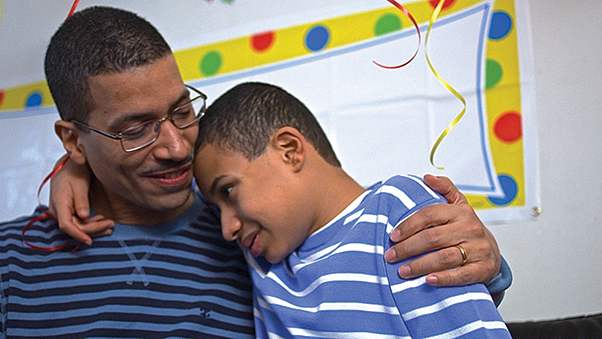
(451, 89)
(1, 11)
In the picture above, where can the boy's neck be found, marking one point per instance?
(335, 191)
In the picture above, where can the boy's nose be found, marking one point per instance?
(231, 225)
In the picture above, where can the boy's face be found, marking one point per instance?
(258, 200)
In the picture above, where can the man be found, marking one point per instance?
(165, 270)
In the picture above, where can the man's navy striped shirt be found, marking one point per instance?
(178, 279)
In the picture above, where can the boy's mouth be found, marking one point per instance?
(251, 243)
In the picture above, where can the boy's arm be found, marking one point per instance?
(429, 311)
(69, 203)
(455, 223)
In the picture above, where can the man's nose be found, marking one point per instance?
(172, 143)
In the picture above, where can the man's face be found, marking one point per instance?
(257, 200)
(150, 185)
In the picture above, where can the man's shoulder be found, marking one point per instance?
(27, 232)
(35, 219)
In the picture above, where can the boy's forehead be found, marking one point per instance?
(212, 160)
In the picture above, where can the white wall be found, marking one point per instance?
(557, 260)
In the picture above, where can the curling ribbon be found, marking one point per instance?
(47, 215)
(72, 9)
(1, 11)
(450, 88)
(411, 17)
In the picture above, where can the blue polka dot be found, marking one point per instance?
(34, 100)
(317, 38)
(510, 189)
(501, 24)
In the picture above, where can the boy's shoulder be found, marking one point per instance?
(400, 196)
(406, 187)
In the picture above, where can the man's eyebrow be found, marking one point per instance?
(141, 115)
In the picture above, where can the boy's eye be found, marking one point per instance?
(226, 190)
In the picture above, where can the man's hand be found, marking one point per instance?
(455, 223)
(69, 203)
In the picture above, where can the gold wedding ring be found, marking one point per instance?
(464, 255)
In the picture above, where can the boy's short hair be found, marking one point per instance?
(94, 41)
(245, 117)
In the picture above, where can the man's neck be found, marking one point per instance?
(123, 212)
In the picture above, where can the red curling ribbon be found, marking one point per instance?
(72, 9)
(47, 215)
(448, 86)
(411, 17)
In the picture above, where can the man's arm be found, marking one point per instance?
(69, 203)
(440, 228)
(454, 224)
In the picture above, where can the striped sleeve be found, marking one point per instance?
(436, 312)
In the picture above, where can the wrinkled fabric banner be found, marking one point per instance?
(380, 121)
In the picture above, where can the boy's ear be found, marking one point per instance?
(290, 145)
(70, 137)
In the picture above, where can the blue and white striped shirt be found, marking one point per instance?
(178, 279)
(337, 284)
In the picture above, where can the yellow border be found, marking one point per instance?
(237, 55)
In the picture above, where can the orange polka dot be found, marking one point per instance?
(447, 4)
(508, 127)
(262, 42)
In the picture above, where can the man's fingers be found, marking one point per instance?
(441, 260)
(450, 233)
(421, 220)
(462, 276)
(446, 188)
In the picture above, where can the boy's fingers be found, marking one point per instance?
(68, 224)
(80, 201)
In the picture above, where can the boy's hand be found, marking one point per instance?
(69, 203)
(455, 223)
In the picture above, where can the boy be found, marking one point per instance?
(321, 234)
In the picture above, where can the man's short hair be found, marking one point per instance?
(245, 117)
(94, 41)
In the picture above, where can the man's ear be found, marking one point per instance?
(70, 137)
(290, 146)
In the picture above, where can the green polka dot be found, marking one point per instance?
(228, 1)
(211, 63)
(493, 73)
(387, 24)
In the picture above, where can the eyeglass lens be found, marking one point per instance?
(146, 133)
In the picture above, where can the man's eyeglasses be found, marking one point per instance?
(144, 134)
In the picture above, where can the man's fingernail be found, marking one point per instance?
(431, 279)
(395, 235)
(390, 255)
(405, 271)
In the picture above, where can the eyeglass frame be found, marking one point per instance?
(119, 135)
